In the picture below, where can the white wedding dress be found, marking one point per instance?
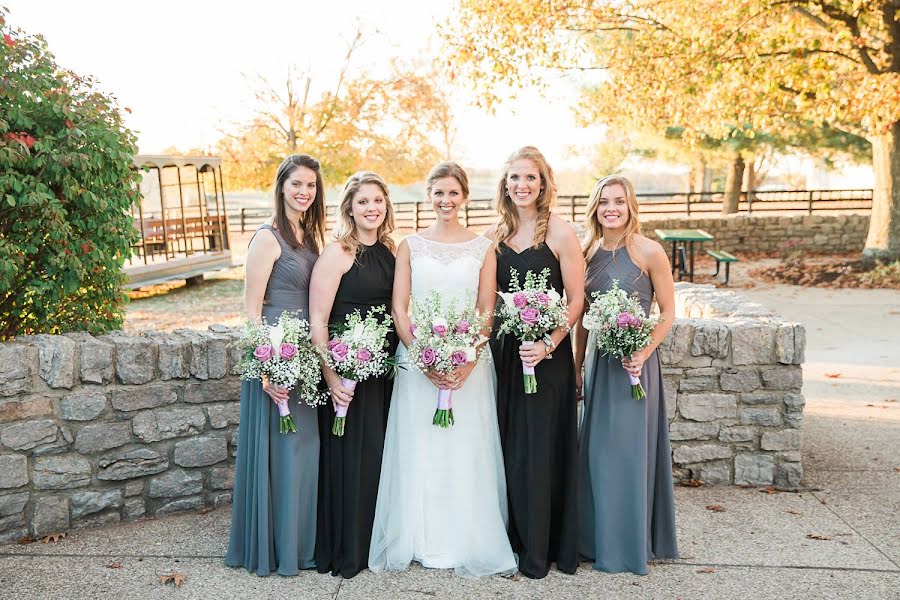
(442, 493)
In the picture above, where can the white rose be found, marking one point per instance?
(471, 354)
(507, 299)
(276, 335)
(554, 295)
(359, 332)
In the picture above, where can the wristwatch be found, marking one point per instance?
(548, 342)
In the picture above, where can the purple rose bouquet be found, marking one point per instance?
(357, 350)
(622, 327)
(530, 313)
(445, 338)
(284, 354)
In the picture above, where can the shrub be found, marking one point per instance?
(66, 186)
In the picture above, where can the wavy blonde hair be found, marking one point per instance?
(593, 228)
(444, 170)
(508, 223)
(346, 231)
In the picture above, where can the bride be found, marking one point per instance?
(442, 493)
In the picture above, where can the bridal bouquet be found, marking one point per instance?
(531, 313)
(445, 338)
(622, 327)
(285, 355)
(356, 351)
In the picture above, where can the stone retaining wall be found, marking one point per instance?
(763, 233)
(96, 430)
(733, 376)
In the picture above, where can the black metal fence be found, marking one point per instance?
(479, 213)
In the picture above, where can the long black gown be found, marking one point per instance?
(538, 433)
(350, 465)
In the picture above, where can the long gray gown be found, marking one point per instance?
(273, 516)
(627, 499)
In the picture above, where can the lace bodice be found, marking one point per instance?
(452, 269)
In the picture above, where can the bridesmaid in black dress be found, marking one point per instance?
(356, 271)
(538, 431)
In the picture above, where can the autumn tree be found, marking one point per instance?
(398, 125)
(709, 66)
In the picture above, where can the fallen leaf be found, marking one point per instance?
(115, 565)
(53, 537)
(690, 483)
(793, 512)
(769, 489)
(843, 533)
(890, 400)
(870, 405)
(705, 570)
(832, 375)
(28, 539)
(715, 507)
(177, 578)
(815, 536)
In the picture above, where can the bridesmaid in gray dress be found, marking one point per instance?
(273, 518)
(627, 499)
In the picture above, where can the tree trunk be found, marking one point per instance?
(701, 176)
(733, 180)
(750, 176)
(883, 240)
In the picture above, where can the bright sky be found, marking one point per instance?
(180, 65)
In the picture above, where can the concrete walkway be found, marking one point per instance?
(839, 539)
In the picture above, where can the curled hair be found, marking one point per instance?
(593, 227)
(312, 222)
(508, 223)
(346, 233)
(444, 170)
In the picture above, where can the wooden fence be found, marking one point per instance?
(479, 214)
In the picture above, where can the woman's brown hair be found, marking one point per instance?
(312, 222)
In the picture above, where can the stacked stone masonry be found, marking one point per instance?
(767, 233)
(97, 430)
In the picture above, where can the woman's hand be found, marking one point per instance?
(579, 384)
(340, 395)
(438, 379)
(533, 354)
(279, 395)
(635, 363)
(458, 376)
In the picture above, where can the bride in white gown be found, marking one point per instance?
(442, 493)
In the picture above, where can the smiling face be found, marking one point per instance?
(299, 189)
(523, 182)
(612, 208)
(446, 198)
(369, 207)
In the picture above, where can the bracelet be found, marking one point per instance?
(548, 343)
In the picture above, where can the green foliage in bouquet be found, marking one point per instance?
(66, 187)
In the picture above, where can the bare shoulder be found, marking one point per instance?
(650, 251)
(264, 240)
(335, 252)
(491, 233)
(561, 233)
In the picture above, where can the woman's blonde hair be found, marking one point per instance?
(593, 228)
(508, 222)
(444, 170)
(346, 231)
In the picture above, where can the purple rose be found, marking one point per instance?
(332, 343)
(520, 299)
(264, 352)
(462, 326)
(429, 357)
(636, 322)
(530, 315)
(543, 298)
(363, 355)
(339, 352)
(288, 351)
(624, 320)
(439, 330)
(458, 358)
(412, 329)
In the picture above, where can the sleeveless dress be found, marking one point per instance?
(627, 498)
(539, 435)
(442, 496)
(273, 514)
(351, 465)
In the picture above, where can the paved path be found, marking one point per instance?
(757, 548)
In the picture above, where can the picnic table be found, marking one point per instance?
(679, 238)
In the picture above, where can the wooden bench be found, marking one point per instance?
(722, 257)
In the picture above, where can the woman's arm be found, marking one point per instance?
(660, 272)
(401, 294)
(323, 286)
(562, 240)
